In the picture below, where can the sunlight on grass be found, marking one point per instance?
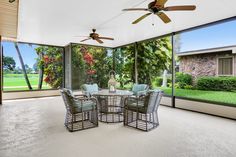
(214, 96)
(16, 82)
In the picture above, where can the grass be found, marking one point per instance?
(16, 82)
(214, 96)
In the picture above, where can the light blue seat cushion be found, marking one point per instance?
(77, 105)
(84, 106)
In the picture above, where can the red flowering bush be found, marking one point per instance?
(51, 64)
(91, 72)
(88, 58)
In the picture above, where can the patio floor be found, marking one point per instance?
(34, 128)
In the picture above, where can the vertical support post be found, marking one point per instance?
(64, 67)
(173, 69)
(136, 62)
(1, 56)
(113, 59)
(68, 67)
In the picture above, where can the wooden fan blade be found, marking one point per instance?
(106, 38)
(85, 39)
(160, 2)
(180, 8)
(99, 41)
(163, 17)
(135, 9)
(141, 18)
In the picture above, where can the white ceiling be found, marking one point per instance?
(57, 22)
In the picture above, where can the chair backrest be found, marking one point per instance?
(152, 100)
(139, 87)
(89, 89)
(68, 99)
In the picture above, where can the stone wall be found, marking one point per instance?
(201, 64)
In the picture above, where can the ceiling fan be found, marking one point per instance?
(11, 1)
(158, 7)
(96, 36)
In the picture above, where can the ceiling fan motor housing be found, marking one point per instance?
(94, 35)
(154, 8)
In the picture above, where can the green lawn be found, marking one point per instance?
(13, 82)
(214, 96)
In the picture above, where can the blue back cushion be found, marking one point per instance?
(139, 87)
(91, 88)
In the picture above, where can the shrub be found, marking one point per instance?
(216, 83)
(188, 87)
(176, 85)
(183, 79)
(159, 81)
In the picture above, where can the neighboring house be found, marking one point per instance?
(219, 61)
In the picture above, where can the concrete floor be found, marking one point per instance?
(34, 128)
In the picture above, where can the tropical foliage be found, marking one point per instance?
(50, 62)
(8, 63)
(154, 57)
(90, 65)
(124, 64)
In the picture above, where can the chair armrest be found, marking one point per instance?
(141, 93)
(80, 96)
(132, 99)
(87, 94)
(84, 98)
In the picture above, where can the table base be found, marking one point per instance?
(111, 117)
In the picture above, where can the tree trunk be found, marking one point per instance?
(41, 72)
(23, 66)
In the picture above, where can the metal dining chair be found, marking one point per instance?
(81, 112)
(141, 112)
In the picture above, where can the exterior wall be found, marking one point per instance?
(203, 64)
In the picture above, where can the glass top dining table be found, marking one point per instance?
(106, 92)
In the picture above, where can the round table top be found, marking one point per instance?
(105, 92)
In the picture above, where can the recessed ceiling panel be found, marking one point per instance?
(57, 22)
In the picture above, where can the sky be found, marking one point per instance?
(28, 53)
(209, 37)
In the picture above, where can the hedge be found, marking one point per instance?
(216, 83)
(183, 79)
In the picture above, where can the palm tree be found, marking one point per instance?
(23, 66)
(40, 52)
(41, 71)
